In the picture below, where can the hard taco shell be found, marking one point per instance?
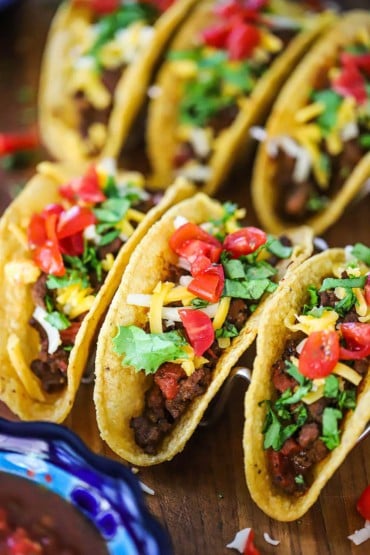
(271, 339)
(294, 96)
(119, 389)
(232, 142)
(17, 306)
(58, 119)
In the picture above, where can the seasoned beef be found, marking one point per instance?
(174, 273)
(351, 316)
(160, 413)
(184, 153)
(316, 409)
(362, 366)
(308, 434)
(283, 472)
(112, 247)
(39, 291)
(44, 343)
(328, 298)
(238, 313)
(51, 369)
(281, 380)
(223, 119)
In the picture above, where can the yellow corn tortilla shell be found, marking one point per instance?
(233, 142)
(58, 118)
(270, 345)
(292, 98)
(119, 389)
(16, 304)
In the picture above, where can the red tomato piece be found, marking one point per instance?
(99, 6)
(208, 284)
(68, 336)
(320, 354)
(200, 264)
(363, 503)
(73, 245)
(199, 329)
(85, 188)
(188, 232)
(357, 338)
(250, 548)
(74, 220)
(49, 259)
(242, 40)
(193, 248)
(350, 82)
(15, 142)
(168, 379)
(244, 241)
(216, 35)
(367, 290)
(36, 231)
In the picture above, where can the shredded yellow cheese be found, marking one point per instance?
(309, 112)
(309, 324)
(179, 293)
(155, 310)
(108, 262)
(135, 215)
(220, 316)
(347, 373)
(75, 299)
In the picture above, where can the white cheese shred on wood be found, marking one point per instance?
(360, 536)
(146, 489)
(240, 540)
(269, 539)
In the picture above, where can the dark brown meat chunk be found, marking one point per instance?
(328, 298)
(283, 472)
(224, 118)
(308, 434)
(316, 409)
(238, 313)
(51, 369)
(281, 380)
(112, 247)
(39, 291)
(184, 153)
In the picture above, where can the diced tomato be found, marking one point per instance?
(68, 336)
(359, 60)
(363, 504)
(244, 241)
(49, 259)
(200, 264)
(168, 379)
(193, 248)
(72, 245)
(250, 548)
(320, 354)
(36, 231)
(357, 338)
(99, 6)
(367, 290)
(85, 188)
(242, 40)
(199, 329)
(216, 35)
(15, 142)
(188, 232)
(350, 82)
(208, 284)
(74, 220)
(161, 5)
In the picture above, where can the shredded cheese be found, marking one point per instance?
(75, 299)
(347, 373)
(309, 324)
(156, 305)
(223, 309)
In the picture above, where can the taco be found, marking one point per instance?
(187, 307)
(97, 66)
(314, 158)
(222, 72)
(64, 243)
(309, 399)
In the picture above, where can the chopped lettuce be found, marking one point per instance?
(147, 351)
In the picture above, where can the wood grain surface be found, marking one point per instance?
(201, 496)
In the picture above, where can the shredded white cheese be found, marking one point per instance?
(240, 540)
(258, 133)
(269, 539)
(179, 221)
(146, 489)
(320, 244)
(360, 536)
(52, 333)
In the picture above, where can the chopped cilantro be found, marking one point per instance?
(299, 479)
(365, 140)
(293, 371)
(109, 237)
(316, 203)
(331, 433)
(361, 252)
(318, 311)
(253, 289)
(277, 431)
(332, 101)
(347, 399)
(58, 320)
(344, 305)
(313, 299)
(234, 268)
(227, 330)
(147, 351)
(112, 210)
(332, 283)
(276, 247)
(199, 303)
(331, 387)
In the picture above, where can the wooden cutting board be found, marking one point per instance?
(201, 496)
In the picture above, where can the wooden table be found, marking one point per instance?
(201, 496)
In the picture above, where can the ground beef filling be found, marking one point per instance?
(305, 448)
(51, 368)
(226, 116)
(296, 200)
(87, 114)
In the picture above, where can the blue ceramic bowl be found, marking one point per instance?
(105, 491)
